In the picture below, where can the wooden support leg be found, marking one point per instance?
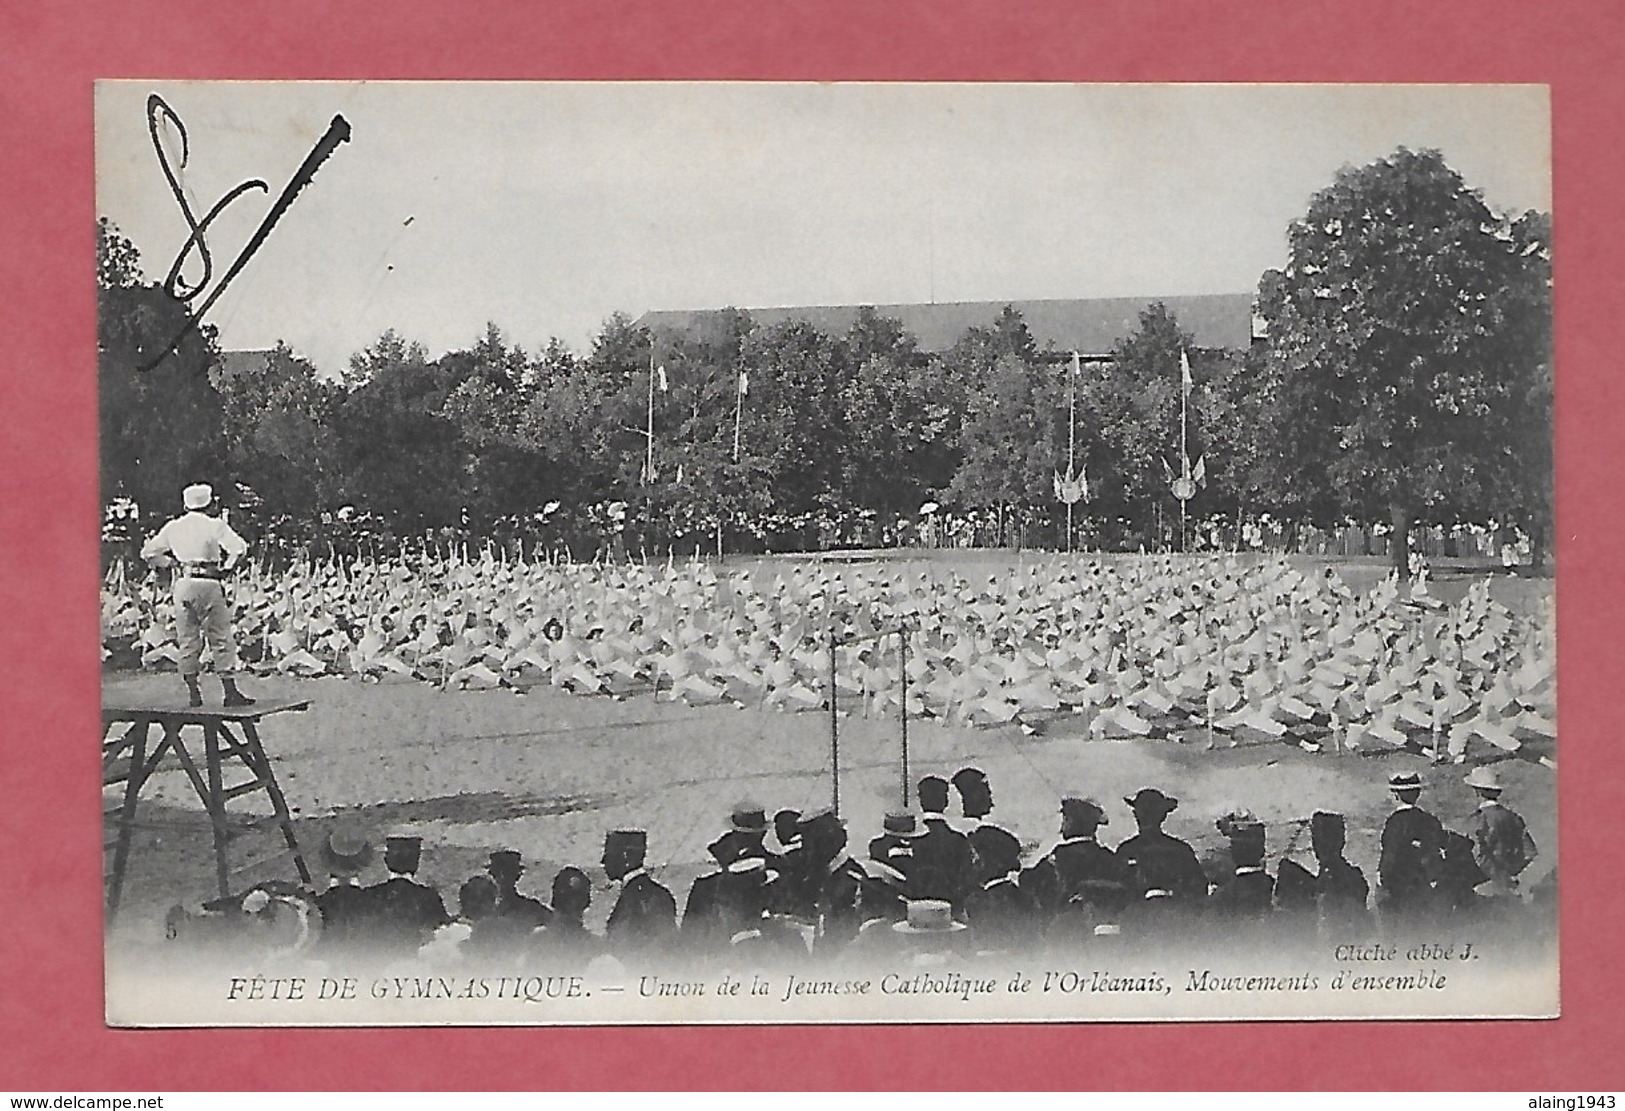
(188, 765)
(112, 750)
(216, 803)
(262, 769)
(132, 791)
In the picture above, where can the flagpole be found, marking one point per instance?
(1071, 439)
(739, 405)
(649, 432)
(1184, 446)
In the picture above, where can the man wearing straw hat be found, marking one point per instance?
(346, 854)
(1501, 842)
(1412, 857)
(203, 549)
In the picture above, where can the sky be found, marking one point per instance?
(545, 207)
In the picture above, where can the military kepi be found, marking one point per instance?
(402, 853)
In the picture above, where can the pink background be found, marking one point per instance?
(50, 863)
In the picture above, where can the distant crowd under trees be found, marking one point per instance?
(1403, 378)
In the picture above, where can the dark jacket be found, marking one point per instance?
(644, 918)
(1244, 895)
(344, 910)
(1005, 917)
(1412, 857)
(1160, 862)
(1341, 891)
(401, 913)
(838, 912)
(943, 866)
(522, 911)
(1501, 843)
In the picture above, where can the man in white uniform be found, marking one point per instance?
(204, 550)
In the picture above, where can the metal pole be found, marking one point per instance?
(649, 432)
(1071, 438)
(902, 655)
(1184, 446)
(739, 405)
(834, 730)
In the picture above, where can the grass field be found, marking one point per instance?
(547, 773)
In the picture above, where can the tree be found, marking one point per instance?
(794, 419)
(898, 423)
(160, 427)
(1008, 443)
(507, 473)
(1526, 305)
(403, 457)
(277, 415)
(1389, 328)
(957, 387)
(1131, 423)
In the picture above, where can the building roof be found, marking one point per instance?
(1091, 326)
(233, 363)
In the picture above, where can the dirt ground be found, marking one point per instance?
(547, 773)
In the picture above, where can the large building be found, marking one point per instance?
(1089, 326)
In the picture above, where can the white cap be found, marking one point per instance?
(197, 496)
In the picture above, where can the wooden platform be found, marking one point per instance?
(188, 715)
(230, 740)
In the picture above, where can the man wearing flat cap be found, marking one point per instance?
(1081, 883)
(748, 823)
(1162, 867)
(644, 919)
(1412, 859)
(203, 549)
(784, 895)
(1501, 842)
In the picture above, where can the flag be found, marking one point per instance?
(1058, 496)
(1199, 475)
(660, 372)
(679, 474)
(1184, 370)
(1083, 481)
(744, 384)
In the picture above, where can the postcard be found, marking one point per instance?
(640, 553)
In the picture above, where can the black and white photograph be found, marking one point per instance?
(704, 552)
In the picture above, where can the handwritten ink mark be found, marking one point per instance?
(338, 131)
